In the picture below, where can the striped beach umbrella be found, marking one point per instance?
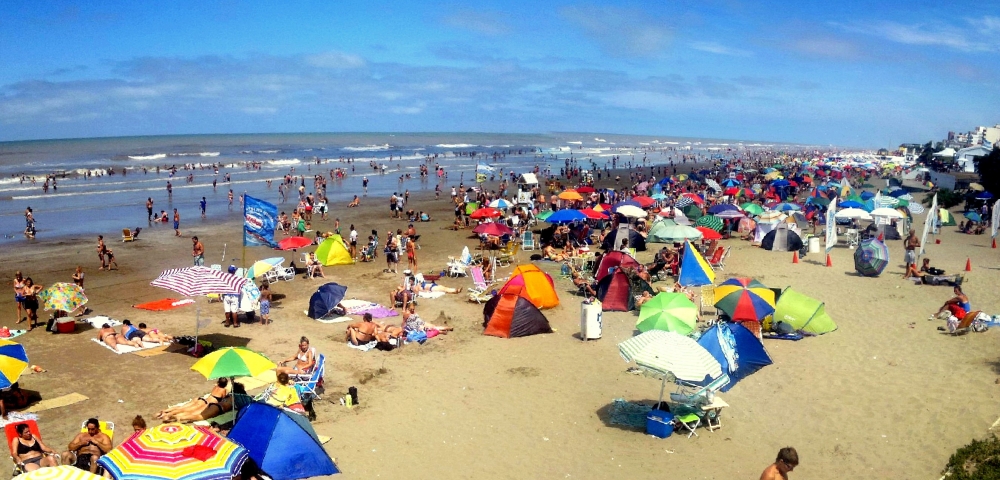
(710, 221)
(175, 451)
(871, 257)
(744, 299)
(786, 207)
(683, 202)
(915, 208)
(62, 472)
(500, 203)
(669, 354)
(196, 281)
(670, 312)
(232, 362)
(13, 362)
(63, 296)
(771, 216)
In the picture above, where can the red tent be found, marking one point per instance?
(614, 259)
(510, 315)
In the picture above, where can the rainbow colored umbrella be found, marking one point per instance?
(744, 299)
(63, 296)
(175, 451)
(13, 362)
(670, 312)
(232, 362)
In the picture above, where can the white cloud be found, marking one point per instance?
(974, 35)
(621, 32)
(718, 49)
(484, 22)
(335, 60)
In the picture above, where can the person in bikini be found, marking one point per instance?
(112, 338)
(29, 452)
(200, 405)
(87, 447)
(305, 360)
(154, 335)
(30, 292)
(363, 332)
(19, 295)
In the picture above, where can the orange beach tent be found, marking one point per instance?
(511, 315)
(536, 286)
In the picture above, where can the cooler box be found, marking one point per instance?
(65, 325)
(814, 245)
(660, 424)
(590, 320)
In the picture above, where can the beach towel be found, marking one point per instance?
(418, 337)
(57, 402)
(364, 348)
(164, 304)
(14, 417)
(343, 318)
(627, 413)
(152, 352)
(125, 348)
(783, 336)
(99, 321)
(354, 306)
(430, 294)
(15, 334)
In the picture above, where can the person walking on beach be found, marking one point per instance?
(149, 209)
(230, 199)
(364, 183)
(787, 460)
(203, 204)
(19, 294)
(177, 223)
(198, 252)
(912, 244)
(101, 247)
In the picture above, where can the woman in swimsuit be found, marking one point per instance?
(959, 305)
(305, 360)
(30, 292)
(211, 405)
(19, 295)
(112, 338)
(29, 452)
(155, 335)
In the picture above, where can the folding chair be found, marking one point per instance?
(508, 255)
(479, 292)
(716, 260)
(11, 432)
(528, 240)
(271, 276)
(286, 274)
(127, 235)
(688, 421)
(309, 385)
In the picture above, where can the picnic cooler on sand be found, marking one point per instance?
(659, 424)
(66, 325)
(590, 320)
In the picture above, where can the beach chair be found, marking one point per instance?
(480, 291)
(508, 255)
(459, 267)
(690, 408)
(11, 432)
(127, 235)
(308, 386)
(718, 260)
(707, 303)
(287, 274)
(216, 266)
(528, 240)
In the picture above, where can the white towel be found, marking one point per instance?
(125, 348)
(99, 321)
(364, 348)
(430, 294)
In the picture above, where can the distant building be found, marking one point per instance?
(965, 158)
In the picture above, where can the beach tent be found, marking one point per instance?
(695, 271)
(333, 252)
(614, 259)
(324, 299)
(283, 445)
(737, 349)
(946, 218)
(509, 314)
(612, 242)
(761, 230)
(537, 286)
(781, 239)
(803, 313)
(617, 291)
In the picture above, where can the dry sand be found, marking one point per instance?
(884, 396)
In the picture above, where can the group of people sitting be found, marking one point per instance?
(972, 228)
(412, 285)
(928, 275)
(30, 453)
(367, 330)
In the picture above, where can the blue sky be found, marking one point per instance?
(848, 73)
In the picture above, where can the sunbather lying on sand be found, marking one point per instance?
(212, 405)
(413, 323)
(112, 338)
(155, 335)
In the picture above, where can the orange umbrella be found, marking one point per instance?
(570, 195)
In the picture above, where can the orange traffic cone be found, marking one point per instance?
(994, 243)
(829, 262)
(795, 257)
(881, 237)
(968, 264)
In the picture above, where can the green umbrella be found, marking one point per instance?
(232, 362)
(710, 221)
(544, 215)
(692, 211)
(752, 208)
(670, 312)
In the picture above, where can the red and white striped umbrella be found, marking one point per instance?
(196, 281)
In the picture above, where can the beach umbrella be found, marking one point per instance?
(629, 202)
(975, 186)
(493, 228)
(631, 211)
(175, 451)
(325, 299)
(62, 472)
(915, 208)
(13, 362)
(692, 212)
(585, 189)
(680, 177)
(292, 243)
(694, 198)
(970, 215)
(712, 183)
(543, 216)
(644, 201)
(683, 202)
(571, 195)
(670, 312)
(232, 362)
(746, 225)
(594, 214)
(770, 216)
(850, 204)
(710, 221)
(886, 212)
(261, 267)
(708, 233)
(566, 216)
(984, 196)
(485, 212)
(744, 299)
(602, 207)
(500, 203)
(731, 182)
(724, 207)
(282, 444)
(738, 350)
(658, 196)
(197, 281)
(871, 257)
(695, 271)
(63, 296)
(667, 231)
(730, 214)
(732, 191)
(752, 208)
(786, 207)
(670, 355)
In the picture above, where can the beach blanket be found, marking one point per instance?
(99, 321)
(344, 318)
(164, 304)
(430, 294)
(14, 417)
(364, 348)
(354, 305)
(627, 413)
(783, 336)
(126, 348)
(152, 352)
(15, 334)
(57, 402)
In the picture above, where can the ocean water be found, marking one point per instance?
(104, 204)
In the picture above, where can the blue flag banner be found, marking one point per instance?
(259, 220)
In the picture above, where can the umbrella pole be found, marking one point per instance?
(663, 386)
(197, 320)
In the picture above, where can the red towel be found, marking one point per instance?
(164, 304)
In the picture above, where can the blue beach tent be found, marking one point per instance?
(283, 445)
(737, 349)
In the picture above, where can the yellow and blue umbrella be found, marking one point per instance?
(13, 362)
(695, 271)
(232, 362)
(744, 299)
(261, 267)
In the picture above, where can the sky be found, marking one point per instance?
(849, 73)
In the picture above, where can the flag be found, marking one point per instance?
(929, 222)
(995, 218)
(831, 226)
(259, 220)
(480, 168)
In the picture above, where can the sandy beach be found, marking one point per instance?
(886, 395)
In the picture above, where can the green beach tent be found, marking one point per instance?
(803, 313)
(333, 252)
(946, 218)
